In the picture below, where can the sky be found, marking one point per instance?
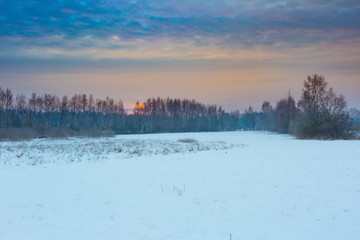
(229, 52)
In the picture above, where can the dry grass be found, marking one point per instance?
(188, 140)
(18, 134)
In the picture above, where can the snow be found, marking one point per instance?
(238, 185)
(42, 151)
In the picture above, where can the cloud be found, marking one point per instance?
(111, 27)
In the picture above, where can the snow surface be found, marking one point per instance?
(226, 185)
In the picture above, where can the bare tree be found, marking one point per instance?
(8, 99)
(20, 102)
(265, 119)
(285, 112)
(248, 119)
(323, 113)
(83, 102)
(2, 99)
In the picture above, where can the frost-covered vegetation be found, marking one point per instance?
(44, 151)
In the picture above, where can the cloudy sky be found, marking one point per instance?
(230, 52)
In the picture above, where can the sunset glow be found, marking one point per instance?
(228, 52)
(139, 106)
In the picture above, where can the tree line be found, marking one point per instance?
(83, 114)
(176, 115)
(320, 113)
(49, 111)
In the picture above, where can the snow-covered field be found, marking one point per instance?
(220, 186)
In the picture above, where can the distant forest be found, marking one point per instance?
(320, 113)
(81, 114)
